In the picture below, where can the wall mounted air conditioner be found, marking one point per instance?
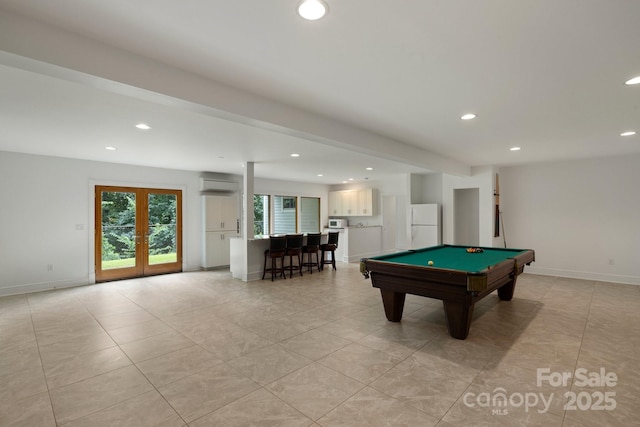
(214, 185)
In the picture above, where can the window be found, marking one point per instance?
(309, 214)
(288, 203)
(284, 216)
(260, 215)
(279, 214)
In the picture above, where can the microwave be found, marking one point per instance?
(338, 223)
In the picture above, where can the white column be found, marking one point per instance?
(240, 245)
(247, 201)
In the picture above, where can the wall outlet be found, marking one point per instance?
(612, 261)
(49, 267)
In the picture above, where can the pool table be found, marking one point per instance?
(457, 277)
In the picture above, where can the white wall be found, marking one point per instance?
(425, 188)
(577, 216)
(47, 217)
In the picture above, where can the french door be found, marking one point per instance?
(138, 232)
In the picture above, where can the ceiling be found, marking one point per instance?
(543, 75)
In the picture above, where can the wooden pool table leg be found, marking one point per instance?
(458, 315)
(393, 304)
(505, 292)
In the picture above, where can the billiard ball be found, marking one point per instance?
(430, 263)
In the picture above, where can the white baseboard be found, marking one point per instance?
(257, 275)
(39, 287)
(585, 275)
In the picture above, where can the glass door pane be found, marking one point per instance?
(118, 230)
(162, 230)
(118, 242)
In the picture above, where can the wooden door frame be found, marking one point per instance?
(142, 268)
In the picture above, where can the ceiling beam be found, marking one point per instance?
(49, 50)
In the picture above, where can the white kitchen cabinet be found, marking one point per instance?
(335, 203)
(220, 221)
(364, 205)
(361, 242)
(351, 202)
(217, 248)
(220, 213)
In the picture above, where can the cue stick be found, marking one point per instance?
(504, 238)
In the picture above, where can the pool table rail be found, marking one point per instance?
(477, 281)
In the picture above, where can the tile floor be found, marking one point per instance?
(202, 349)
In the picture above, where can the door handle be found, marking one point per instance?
(137, 238)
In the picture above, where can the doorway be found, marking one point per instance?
(138, 232)
(466, 208)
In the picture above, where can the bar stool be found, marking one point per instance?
(330, 246)
(277, 247)
(312, 247)
(293, 248)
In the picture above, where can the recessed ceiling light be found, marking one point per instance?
(320, 174)
(469, 116)
(110, 148)
(295, 155)
(630, 133)
(369, 169)
(312, 10)
(633, 81)
(514, 148)
(143, 126)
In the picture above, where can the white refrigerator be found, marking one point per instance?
(425, 225)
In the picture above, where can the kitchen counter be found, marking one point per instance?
(362, 242)
(253, 251)
(355, 242)
(266, 237)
